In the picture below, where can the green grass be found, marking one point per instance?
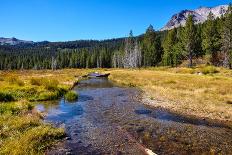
(23, 132)
(71, 96)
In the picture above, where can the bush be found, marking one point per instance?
(209, 70)
(6, 97)
(71, 96)
(30, 106)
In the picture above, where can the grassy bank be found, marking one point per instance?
(203, 91)
(22, 130)
(36, 85)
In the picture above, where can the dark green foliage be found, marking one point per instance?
(227, 38)
(6, 97)
(211, 39)
(169, 50)
(151, 48)
(190, 37)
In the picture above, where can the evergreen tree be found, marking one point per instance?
(227, 38)
(168, 46)
(211, 39)
(151, 49)
(190, 39)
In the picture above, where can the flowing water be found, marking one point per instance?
(108, 119)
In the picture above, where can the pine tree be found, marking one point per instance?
(168, 46)
(227, 38)
(190, 39)
(211, 39)
(151, 49)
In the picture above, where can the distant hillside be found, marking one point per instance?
(199, 16)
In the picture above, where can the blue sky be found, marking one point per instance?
(63, 20)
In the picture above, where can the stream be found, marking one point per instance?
(109, 119)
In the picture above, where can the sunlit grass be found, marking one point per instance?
(23, 132)
(186, 90)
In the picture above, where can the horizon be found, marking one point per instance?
(60, 21)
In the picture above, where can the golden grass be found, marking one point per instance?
(181, 90)
(21, 129)
(38, 85)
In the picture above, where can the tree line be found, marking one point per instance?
(211, 41)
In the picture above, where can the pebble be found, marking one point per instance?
(67, 138)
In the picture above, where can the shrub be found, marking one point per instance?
(6, 97)
(30, 106)
(71, 96)
(209, 70)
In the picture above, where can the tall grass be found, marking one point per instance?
(27, 135)
(15, 80)
(49, 84)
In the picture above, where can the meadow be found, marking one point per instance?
(203, 91)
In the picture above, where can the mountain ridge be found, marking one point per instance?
(199, 15)
(13, 41)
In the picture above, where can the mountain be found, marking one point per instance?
(199, 16)
(13, 41)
